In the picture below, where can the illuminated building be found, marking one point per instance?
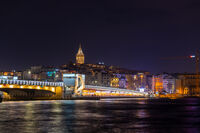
(188, 84)
(131, 81)
(166, 84)
(170, 84)
(157, 84)
(114, 82)
(10, 75)
(80, 56)
(42, 73)
(108, 76)
(122, 81)
(183, 84)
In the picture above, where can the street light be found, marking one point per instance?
(29, 72)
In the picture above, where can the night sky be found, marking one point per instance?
(134, 34)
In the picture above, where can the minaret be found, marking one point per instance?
(80, 56)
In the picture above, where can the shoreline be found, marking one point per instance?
(75, 98)
(97, 98)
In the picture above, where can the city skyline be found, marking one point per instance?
(186, 58)
(133, 35)
(108, 66)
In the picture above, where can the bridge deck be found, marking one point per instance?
(109, 91)
(30, 82)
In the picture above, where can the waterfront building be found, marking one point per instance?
(170, 84)
(131, 81)
(166, 84)
(189, 84)
(149, 83)
(157, 84)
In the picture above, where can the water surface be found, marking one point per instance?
(109, 115)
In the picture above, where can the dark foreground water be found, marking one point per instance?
(111, 115)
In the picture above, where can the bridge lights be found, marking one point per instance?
(38, 87)
(1, 86)
(21, 86)
(11, 86)
(53, 89)
(30, 87)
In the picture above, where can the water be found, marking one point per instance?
(111, 115)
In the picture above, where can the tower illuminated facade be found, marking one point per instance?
(80, 56)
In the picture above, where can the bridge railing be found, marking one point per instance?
(30, 82)
(109, 88)
(110, 91)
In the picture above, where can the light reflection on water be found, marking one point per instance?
(112, 115)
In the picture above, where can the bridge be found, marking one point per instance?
(27, 89)
(90, 90)
(73, 84)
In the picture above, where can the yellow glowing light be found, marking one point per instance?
(53, 89)
(21, 86)
(5, 74)
(11, 86)
(30, 87)
(38, 87)
(1, 86)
